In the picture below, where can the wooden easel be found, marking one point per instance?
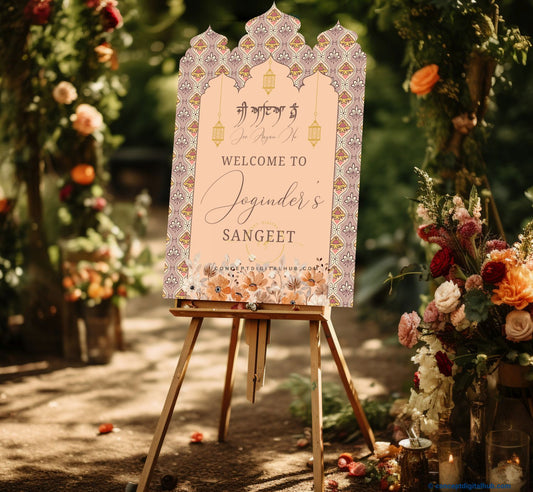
(257, 333)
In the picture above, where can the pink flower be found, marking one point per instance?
(458, 318)
(431, 314)
(87, 119)
(495, 245)
(64, 93)
(474, 282)
(408, 329)
(99, 203)
(111, 18)
(518, 326)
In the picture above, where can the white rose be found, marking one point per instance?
(518, 326)
(447, 297)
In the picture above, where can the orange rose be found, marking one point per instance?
(83, 174)
(95, 291)
(516, 289)
(424, 79)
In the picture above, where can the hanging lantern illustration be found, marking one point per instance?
(218, 133)
(315, 130)
(269, 79)
(218, 129)
(314, 133)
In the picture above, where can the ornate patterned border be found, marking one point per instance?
(275, 34)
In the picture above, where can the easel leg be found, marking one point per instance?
(170, 402)
(230, 377)
(316, 407)
(257, 336)
(347, 382)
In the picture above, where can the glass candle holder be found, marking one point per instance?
(507, 455)
(414, 472)
(450, 462)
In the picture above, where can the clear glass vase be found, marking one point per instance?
(514, 403)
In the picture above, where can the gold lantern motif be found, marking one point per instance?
(218, 129)
(269, 79)
(218, 133)
(315, 131)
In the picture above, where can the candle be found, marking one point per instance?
(449, 471)
(510, 473)
(450, 463)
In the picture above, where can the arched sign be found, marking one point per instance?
(265, 173)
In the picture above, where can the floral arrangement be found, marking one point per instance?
(480, 310)
(60, 90)
(105, 262)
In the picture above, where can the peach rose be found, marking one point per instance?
(408, 329)
(447, 297)
(518, 326)
(64, 93)
(87, 119)
(424, 79)
(516, 288)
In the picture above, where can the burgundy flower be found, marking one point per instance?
(111, 18)
(66, 192)
(444, 363)
(416, 380)
(493, 272)
(469, 229)
(38, 11)
(427, 231)
(441, 262)
(433, 234)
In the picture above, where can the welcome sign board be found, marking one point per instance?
(265, 171)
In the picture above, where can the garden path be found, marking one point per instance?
(50, 412)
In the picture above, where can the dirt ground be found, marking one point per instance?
(50, 412)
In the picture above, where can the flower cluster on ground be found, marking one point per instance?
(480, 310)
(381, 467)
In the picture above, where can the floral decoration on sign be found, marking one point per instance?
(261, 284)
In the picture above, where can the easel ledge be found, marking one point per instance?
(257, 319)
(221, 309)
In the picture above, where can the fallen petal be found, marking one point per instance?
(105, 428)
(197, 437)
(357, 469)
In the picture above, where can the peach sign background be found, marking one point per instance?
(265, 174)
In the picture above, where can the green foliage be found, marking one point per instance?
(472, 46)
(338, 421)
